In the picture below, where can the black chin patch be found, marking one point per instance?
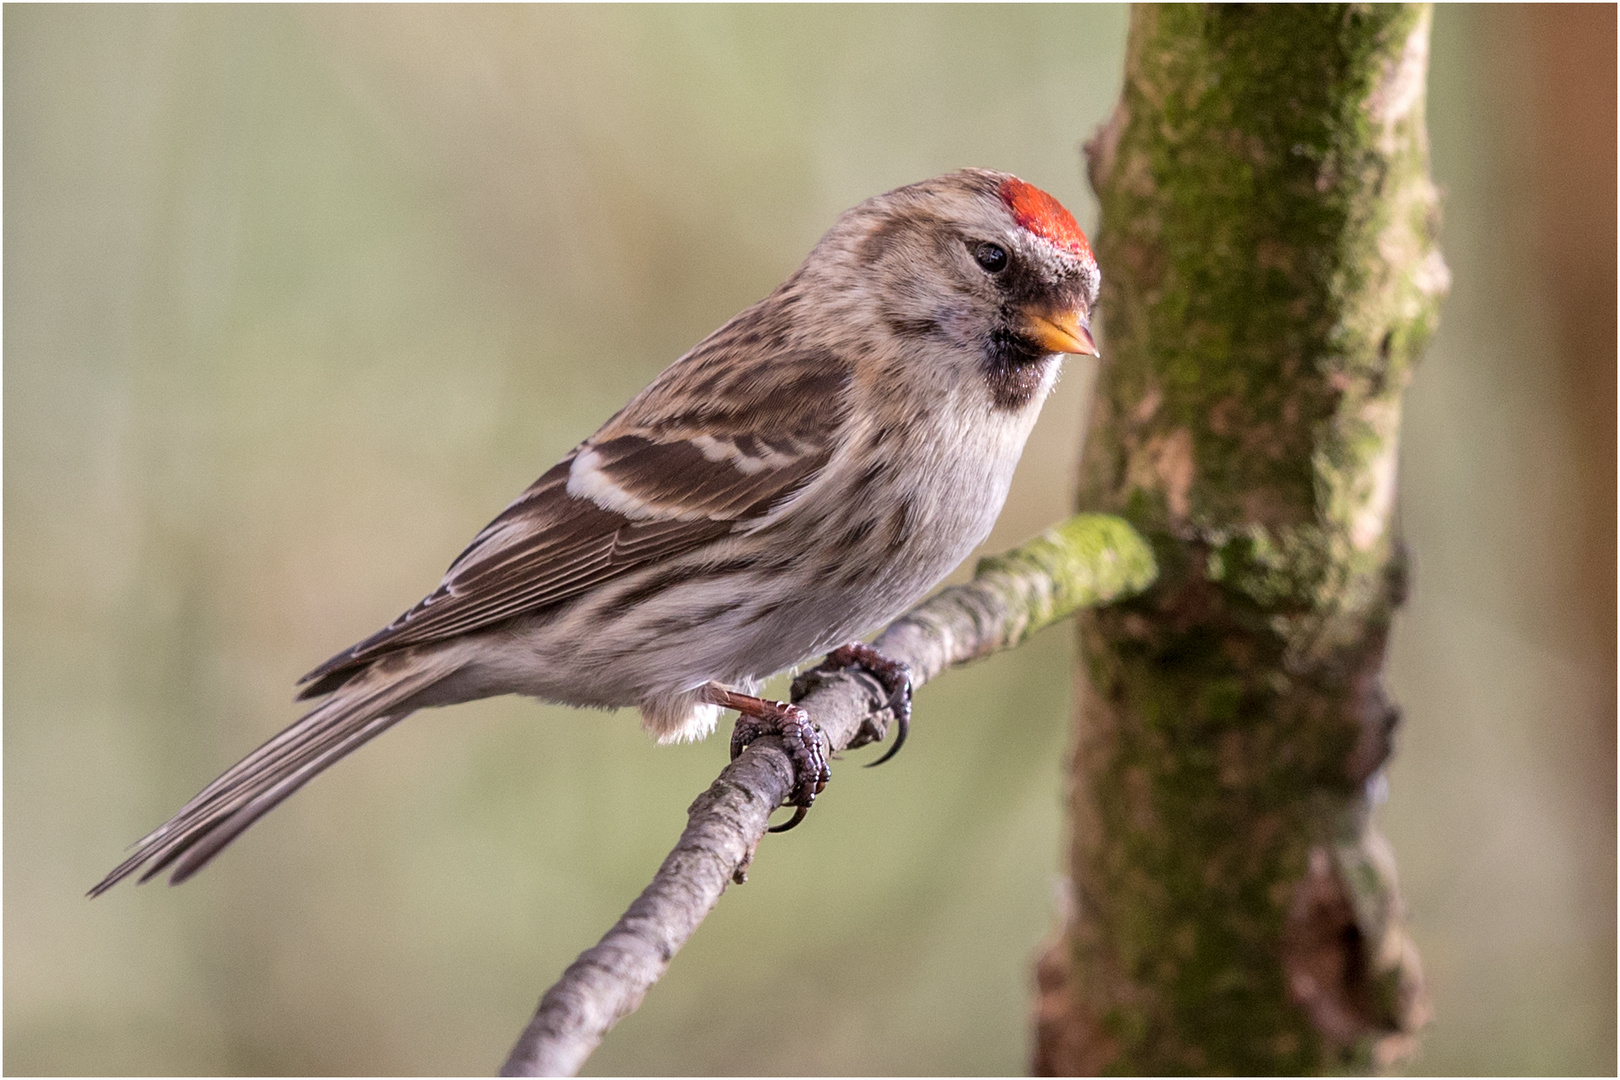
(1013, 369)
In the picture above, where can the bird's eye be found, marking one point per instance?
(992, 257)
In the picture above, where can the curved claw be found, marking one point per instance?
(892, 675)
(902, 729)
(798, 815)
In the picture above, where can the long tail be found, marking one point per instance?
(357, 713)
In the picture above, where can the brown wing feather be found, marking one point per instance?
(692, 479)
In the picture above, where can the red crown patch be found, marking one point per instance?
(1044, 216)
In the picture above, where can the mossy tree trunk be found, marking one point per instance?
(1270, 275)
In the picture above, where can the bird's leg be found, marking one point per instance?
(892, 675)
(760, 716)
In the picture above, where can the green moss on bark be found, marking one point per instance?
(1269, 277)
(1087, 560)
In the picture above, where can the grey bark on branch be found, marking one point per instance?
(1088, 560)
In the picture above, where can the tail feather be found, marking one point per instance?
(316, 729)
(195, 856)
(251, 788)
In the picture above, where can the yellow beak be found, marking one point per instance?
(1059, 332)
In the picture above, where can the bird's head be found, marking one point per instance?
(974, 274)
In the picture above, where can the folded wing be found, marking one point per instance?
(626, 498)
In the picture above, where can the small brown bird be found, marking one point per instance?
(803, 475)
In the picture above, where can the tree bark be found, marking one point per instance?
(1270, 276)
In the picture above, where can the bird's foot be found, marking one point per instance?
(892, 675)
(801, 739)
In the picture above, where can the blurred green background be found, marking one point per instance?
(297, 298)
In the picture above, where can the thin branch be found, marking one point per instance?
(1088, 560)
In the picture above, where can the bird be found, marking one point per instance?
(800, 477)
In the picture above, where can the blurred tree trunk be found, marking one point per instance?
(1571, 168)
(1270, 275)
